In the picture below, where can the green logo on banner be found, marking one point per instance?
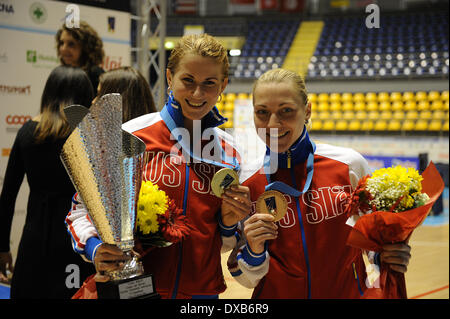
(31, 56)
(38, 13)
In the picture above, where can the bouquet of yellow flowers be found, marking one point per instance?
(385, 208)
(159, 223)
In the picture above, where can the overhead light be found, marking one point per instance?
(169, 45)
(235, 52)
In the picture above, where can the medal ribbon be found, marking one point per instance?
(283, 187)
(173, 118)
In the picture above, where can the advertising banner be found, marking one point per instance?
(28, 55)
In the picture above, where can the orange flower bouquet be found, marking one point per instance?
(385, 208)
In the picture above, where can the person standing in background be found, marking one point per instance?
(137, 98)
(46, 266)
(81, 47)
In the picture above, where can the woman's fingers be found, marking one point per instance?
(397, 256)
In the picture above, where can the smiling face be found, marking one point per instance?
(279, 106)
(196, 84)
(69, 49)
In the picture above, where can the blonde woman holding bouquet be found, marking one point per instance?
(303, 254)
(179, 142)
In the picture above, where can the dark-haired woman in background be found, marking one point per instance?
(137, 98)
(46, 266)
(81, 47)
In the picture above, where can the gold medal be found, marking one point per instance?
(223, 179)
(272, 202)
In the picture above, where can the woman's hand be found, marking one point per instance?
(257, 229)
(108, 258)
(397, 256)
(235, 204)
(5, 264)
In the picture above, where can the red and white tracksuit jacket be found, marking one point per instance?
(309, 258)
(192, 267)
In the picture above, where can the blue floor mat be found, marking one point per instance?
(4, 292)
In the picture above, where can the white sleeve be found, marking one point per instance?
(247, 268)
(81, 229)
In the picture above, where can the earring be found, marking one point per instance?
(220, 98)
(169, 89)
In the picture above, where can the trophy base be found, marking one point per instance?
(139, 287)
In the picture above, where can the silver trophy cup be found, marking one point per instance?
(105, 164)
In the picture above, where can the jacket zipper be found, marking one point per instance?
(180, 258)
(302, 231)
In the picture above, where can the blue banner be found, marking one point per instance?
(376, 162)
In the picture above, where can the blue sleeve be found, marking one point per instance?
(91, 247)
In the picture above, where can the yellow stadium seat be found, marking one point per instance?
(437, 105)
(347, 106)
(423, 106)
(220, 106)
(373, 115)
(372, 106)
(398, 115)
(426, 115)
(346, 97)
(412, 115)
(335, 106)
(384, 106)
(361, 115)
(328, 125)
(394, 125)
(335, 97)
(314, 115)
(445, 105)
(324, 115)
(312, 97)
(230, 97)
(313, 106)
(421, 125)
(323, 106)
(316, 125)
(242, 96)
(322, 97)
(445, 126)
(383, 96)
(358, 97)
(386, 115)
(380, 125)
(354, 125)
(407, 125)
(421, 96)
(395, 96)
(410, 106)
(435, 125)
(367, 125)
(371, 97)
(444, 96)
(359, 106)
(397, 106)
(341, 125)
(434, 95)
(348, 115)
(408, 96)
(228, 114)
(438, 115)
(336, 115)
(228, 107)
(228, 124)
